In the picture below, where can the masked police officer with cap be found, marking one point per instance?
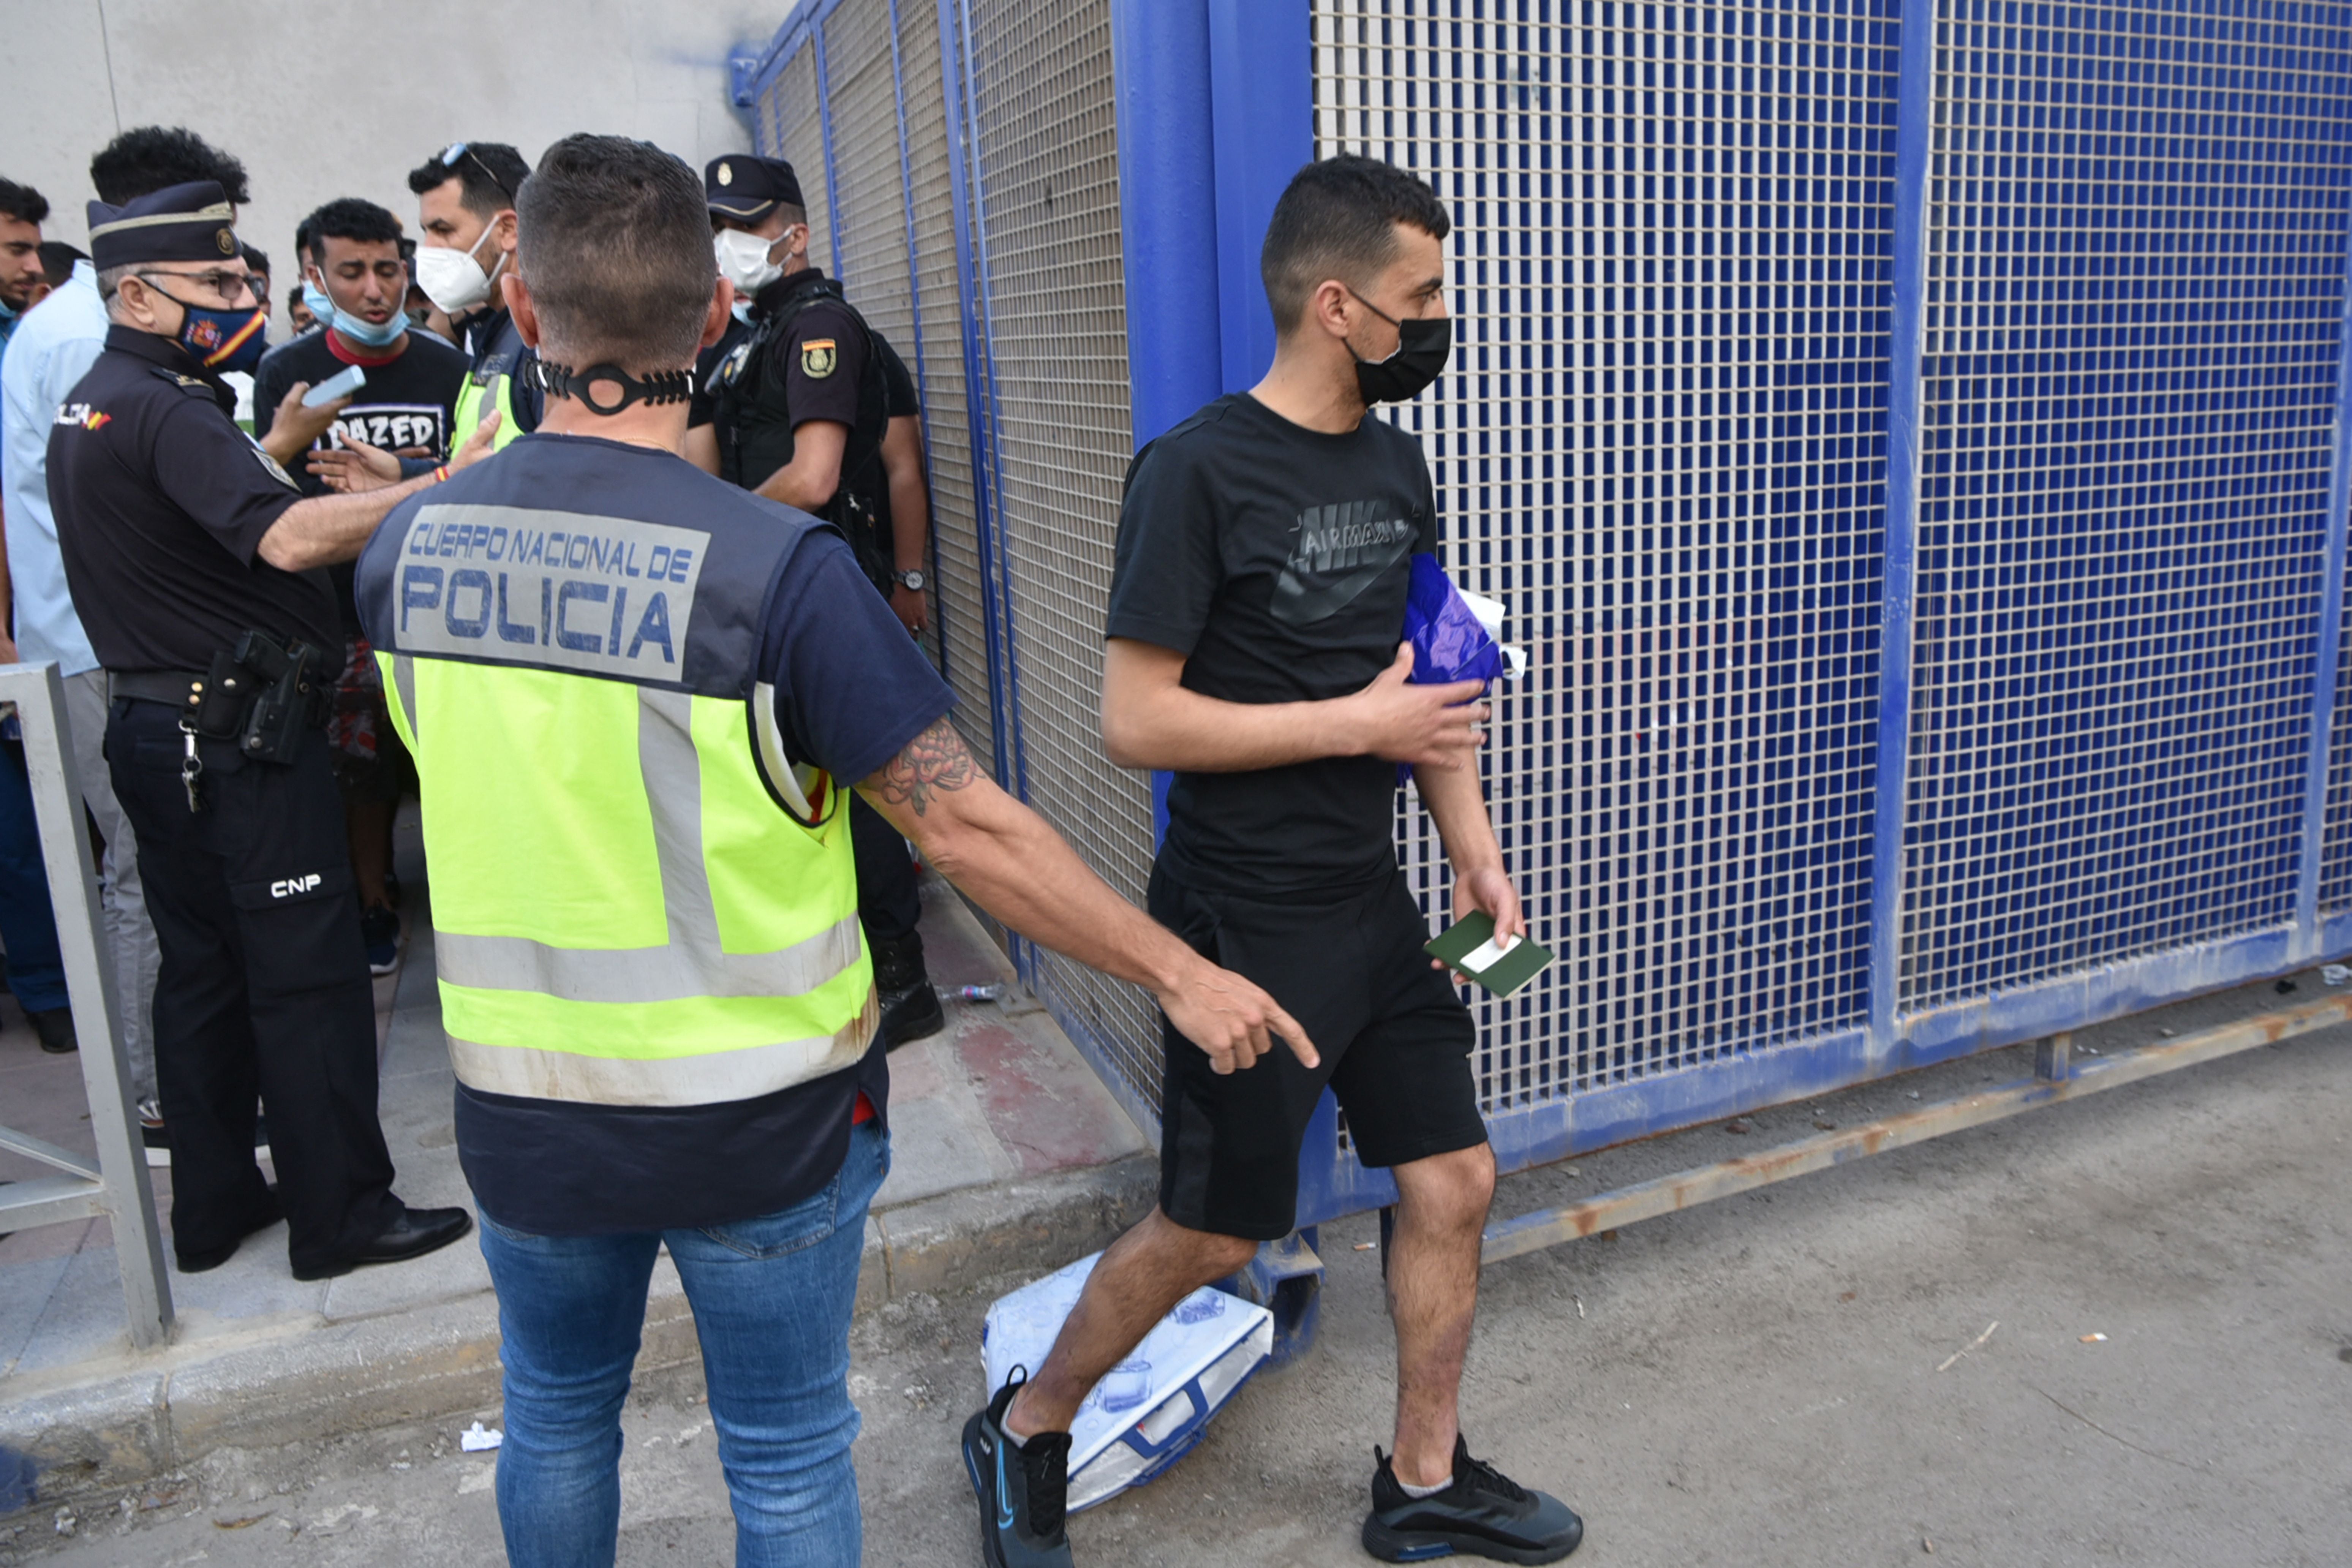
(197, 567)
(798, 404)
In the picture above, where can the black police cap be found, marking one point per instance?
(742, 186)
(179, 222)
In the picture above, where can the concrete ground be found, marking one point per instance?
(1009, 1152)
(1752, 1381)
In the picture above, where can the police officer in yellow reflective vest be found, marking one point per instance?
(636, 696)
(466, 199)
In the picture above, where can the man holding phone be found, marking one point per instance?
(1264, 549)
(404, 403)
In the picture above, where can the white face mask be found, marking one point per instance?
(743, 260)
(453, 279)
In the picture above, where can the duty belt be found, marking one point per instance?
(176, 688)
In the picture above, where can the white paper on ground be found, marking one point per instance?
(1212, 1337)
(1487, 954)
(473, 1440)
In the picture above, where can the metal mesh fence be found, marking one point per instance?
(1661, 444)
(962, 632)
(870, 250)
(1048, 157)
(800, 141)
(2135, 296)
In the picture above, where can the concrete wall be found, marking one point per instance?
(323, 100)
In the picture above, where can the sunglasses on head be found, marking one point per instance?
(457, 150)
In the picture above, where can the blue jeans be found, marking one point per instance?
(771, 1299)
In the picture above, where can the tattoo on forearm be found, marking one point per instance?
(934, 763)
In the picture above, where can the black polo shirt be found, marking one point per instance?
(161, 503)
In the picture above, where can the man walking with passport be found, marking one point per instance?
(1265, 549)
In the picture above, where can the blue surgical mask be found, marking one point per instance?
(355, 329)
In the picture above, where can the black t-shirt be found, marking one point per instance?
(407, 407)
(851, 690)
(905, 402)
(161, 502)
(1275, 559)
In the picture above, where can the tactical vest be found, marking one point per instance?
(490, 387)
(638, 898)
(754, 423)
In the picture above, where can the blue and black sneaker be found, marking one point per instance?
(1023, 1488)
(1482, 1514)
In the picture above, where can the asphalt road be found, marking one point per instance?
(1753, 1382)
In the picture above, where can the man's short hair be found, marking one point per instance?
(348, 217)
(613, 242)
(491, 173)
(1338, 218)
(141, 161)
(255, 259)
(293, 295)
(57, 259)
(23, 203)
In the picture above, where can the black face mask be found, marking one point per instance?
(1423, 348)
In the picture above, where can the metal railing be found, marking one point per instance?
(116, 1187)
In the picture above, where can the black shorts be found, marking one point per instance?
(1393, 1035)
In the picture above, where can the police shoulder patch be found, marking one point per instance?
(275, 470)
(819, 357)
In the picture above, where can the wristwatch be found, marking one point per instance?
(911, 580)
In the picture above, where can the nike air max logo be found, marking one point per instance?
(1004, 1509)
(1337, 552)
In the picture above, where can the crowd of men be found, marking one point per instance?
(596, 519)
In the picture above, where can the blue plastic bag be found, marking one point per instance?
(1448, 643)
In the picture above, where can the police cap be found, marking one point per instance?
(179, 222)
(745, 187)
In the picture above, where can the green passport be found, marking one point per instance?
(1468, 948)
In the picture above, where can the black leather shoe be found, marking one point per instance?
(910, 1005)
(1482, 1514)
(261, 1219)
(416, 1233)
(55, 1028)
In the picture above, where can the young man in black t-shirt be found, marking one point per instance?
(407, 408)
(1257, 609)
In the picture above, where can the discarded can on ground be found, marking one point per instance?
(972, 993)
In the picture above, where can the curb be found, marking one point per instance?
(309, 1381)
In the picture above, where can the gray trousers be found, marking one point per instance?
(130, 934)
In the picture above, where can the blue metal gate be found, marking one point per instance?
(1910, 437)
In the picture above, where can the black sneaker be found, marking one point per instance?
(152, 1133)
(380, 929)
(1023, 1489)
(1482, 1514)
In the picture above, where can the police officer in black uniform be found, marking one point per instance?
(798, 404)
(198, 570)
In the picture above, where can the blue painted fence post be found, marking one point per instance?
(1905, 449)
(2310, 942)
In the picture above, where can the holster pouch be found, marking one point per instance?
(283, 696)
(220, 712)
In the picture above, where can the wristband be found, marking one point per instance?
(440, 473)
